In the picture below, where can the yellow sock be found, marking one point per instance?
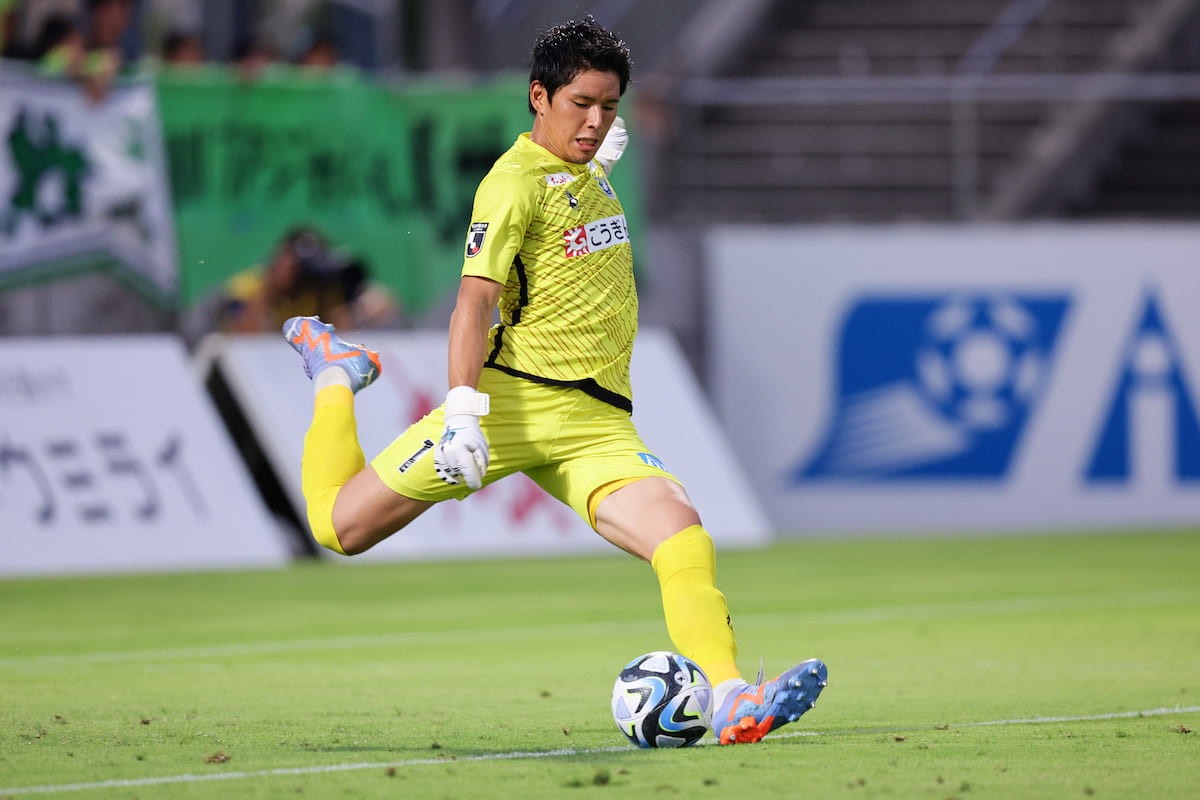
(697, 615)
(332, 456)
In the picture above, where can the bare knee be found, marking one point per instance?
(356, 548)
(345, 541)
(639, 517)
(354, 540)
(356, 535)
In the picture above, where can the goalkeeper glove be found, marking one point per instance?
(610, 150)
(462, 453)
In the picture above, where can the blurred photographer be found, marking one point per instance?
(304, 276)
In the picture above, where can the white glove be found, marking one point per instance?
(462, 453)
(610, 150)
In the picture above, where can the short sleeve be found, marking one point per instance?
(504, 206)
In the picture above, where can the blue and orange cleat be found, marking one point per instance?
(750, 713)
(322, 348)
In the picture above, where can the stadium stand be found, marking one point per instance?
(1152, 173)
(851, 110)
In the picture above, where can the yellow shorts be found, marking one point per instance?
(568, 442)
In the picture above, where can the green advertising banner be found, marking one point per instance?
(387, 174)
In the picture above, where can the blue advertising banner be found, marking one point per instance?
(961, 378)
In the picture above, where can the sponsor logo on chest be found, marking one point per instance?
(597, 235)
(560, 178)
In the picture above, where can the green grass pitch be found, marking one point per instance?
(996, 667)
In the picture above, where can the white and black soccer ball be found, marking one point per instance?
(662, 699)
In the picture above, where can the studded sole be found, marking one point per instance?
(795, 693)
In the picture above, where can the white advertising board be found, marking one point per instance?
(513, 516)
(112, 459)
(961, 378)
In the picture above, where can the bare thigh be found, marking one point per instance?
(639, 517)
(367, 511)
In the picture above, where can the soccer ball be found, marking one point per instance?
(662, 699)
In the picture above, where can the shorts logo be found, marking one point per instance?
(598, 235)
(652, 461)
(426, 446)
(475, 238)
(559, 179)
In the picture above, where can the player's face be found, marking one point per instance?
(573, 123)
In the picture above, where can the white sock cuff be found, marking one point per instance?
(723, 689)
(331, 376)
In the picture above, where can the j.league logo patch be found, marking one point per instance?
(475, 238)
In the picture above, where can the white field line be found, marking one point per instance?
(166, 780)
(860, 616)
(1150, 712)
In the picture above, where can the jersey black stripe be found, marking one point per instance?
(496, 348)
(523, 283)
(586, 385)
(523, 301)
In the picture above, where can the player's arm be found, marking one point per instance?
(499, 218)
(462, 454)
(469, 324)
(503, 208)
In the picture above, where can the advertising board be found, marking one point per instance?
(961, 378)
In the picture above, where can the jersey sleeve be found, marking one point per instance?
(505, 203)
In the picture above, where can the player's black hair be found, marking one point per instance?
(561, 53)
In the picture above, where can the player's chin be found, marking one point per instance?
(584, 151)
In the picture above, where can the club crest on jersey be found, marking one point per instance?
(599, 234)
(605, 187)
(475, 238)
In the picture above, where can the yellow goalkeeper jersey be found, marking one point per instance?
(554, 234)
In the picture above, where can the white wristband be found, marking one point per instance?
(465, 400)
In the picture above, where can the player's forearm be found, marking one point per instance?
(469, 326)
(466, 355)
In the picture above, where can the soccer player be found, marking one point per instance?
(546, 391)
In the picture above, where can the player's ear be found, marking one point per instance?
(538, 97)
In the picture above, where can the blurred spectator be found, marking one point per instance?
(304, 276)
(321, 53)
(59, 47)
(103, 60)
(251, 57)
(8, 28)
(107, 22)
(90, 55)
(183, 49)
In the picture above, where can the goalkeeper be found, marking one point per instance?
(546, 391)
